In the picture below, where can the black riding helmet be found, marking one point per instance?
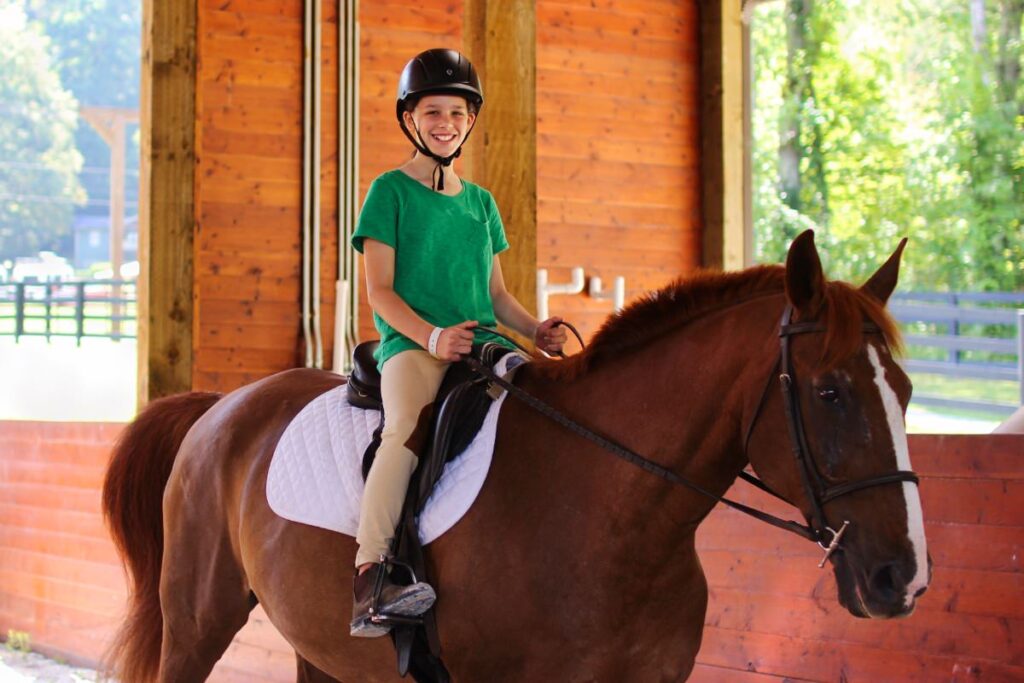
(437, 72)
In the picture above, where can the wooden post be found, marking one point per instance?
(1020, 355)
(111, 124)
(724, 84)
(166, 197)
(500, 40)
(474, 46)
(117, 155)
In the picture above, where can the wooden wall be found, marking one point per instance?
(248, 194)
(60, 577)
(772, 614)
(391, 33)
(249, 148)
(617, 135)
(618, 187)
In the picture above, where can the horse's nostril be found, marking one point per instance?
(920, 591)
(887, 581)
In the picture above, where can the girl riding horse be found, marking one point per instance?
(430, 242)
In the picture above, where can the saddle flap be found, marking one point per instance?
(456, 422)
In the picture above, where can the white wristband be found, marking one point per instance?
(432, 344)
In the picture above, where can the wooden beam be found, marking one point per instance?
(724, 167)
(499, 37)
(111, 124)
(474, 46)
(166, 197)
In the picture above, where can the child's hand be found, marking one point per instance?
(548, 337)
(456, 341)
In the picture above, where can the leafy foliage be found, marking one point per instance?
(38, 181)
(907, 127)
(96, 47)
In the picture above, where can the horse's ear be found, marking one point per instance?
(805, 283)
(883, 282)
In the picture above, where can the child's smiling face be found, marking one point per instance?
(442, 120)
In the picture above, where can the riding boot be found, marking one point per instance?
(407, 601)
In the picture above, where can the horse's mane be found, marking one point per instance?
(657, 313)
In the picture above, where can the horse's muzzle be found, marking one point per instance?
(880, 592)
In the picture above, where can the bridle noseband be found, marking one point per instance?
(817, 492)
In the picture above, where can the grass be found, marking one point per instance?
(19, 641)
(62, 318)
(994, 391)
(931, 420)
(946, 420)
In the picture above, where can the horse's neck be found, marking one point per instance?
(681, 401)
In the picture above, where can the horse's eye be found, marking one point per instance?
(830, 394)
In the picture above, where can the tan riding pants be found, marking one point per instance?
(408, 384)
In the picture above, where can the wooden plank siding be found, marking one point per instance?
(617, 159)
(618, 189)
(618, 185)
(391, 33)
(772, 615)
(248, 241)
(61, 581)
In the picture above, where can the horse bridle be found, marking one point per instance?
(817, 492)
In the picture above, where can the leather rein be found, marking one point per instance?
(818, 493)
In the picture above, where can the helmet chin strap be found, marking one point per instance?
(442, 162)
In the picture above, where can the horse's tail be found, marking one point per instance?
(133, 506)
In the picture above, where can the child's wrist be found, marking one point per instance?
(432, 341)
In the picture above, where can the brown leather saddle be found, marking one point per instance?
(461, 406)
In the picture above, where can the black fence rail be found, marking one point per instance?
(968, 335)
(79, 309)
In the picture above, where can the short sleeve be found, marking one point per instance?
(497, 229)
(378, 218)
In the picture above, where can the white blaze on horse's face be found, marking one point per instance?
(915, 517)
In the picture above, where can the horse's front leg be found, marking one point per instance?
(307, 673)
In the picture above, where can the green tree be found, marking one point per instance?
(908, 121)
(38, 159)
(990, 141)
(96, 47)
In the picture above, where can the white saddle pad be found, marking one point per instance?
(316, 475)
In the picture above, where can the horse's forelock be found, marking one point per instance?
(845, 312)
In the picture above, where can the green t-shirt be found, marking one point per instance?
(444, 253)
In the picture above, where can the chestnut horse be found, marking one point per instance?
(572, 565)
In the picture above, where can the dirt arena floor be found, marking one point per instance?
(29, 667)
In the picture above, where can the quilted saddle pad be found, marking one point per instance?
(316, 476)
